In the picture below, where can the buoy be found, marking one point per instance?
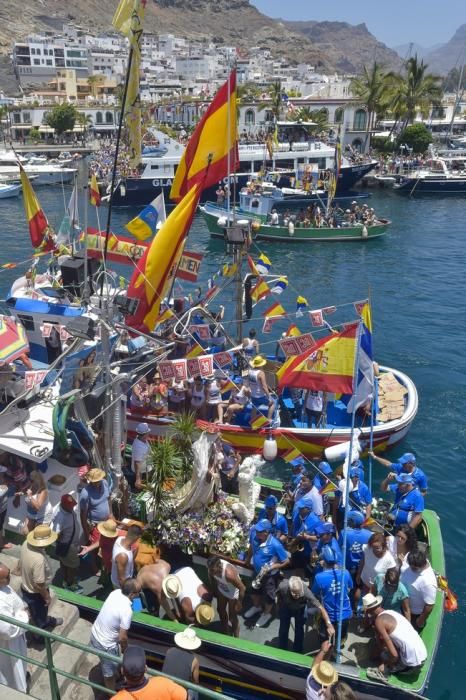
(291, 228)
(255, 226)
(270, 449)
(365, 232)
(222, 221)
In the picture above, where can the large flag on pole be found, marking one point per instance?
(39, 228)
(328, 366)
(156, 269)
(144, 225)
(128, 19)
(212, 147)
(365, 382)
(94, 192)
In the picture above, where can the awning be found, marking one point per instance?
(46, 129)
(13, 340)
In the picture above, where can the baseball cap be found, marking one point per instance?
(325, 528)
(325, 468)
(357, 463)
(263, 525)
(270, 501)
(407, 457)
(404, 479)
(297, 462)
(68, 500)
(328, 554)
(134, 661)
(355, 517)
(303, 503)
(354, 471)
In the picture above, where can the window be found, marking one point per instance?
(360, 118)
(269, 116)
(249, 117)
(108, 118)
(339, 115)
(26, 117)
(49, 62)
(16, 118)
(98, 118)
(33, 51)
(27, 321)
(36, 62)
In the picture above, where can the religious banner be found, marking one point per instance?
(180, 370)
(305, 342)
(166, 370)
(193, 367)
(289, 346)
(359, 305)
(32, 378)
(317, 317)
(329, 310)
(206, 365)
(222, 359)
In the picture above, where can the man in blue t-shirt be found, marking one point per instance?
(356, 537)
(278, 521)
(409, 502)
(326, 534)
(360, 497)
(303, 532)
(265, 550)
(327, 588)
(406, 465)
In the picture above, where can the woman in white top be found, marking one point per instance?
(250, 345)
(177, 396)
(376, 559)
(213, 399)
(38, 507)
(401, 544)
(229, 590)
(198, 399)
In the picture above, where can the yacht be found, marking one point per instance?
(43, 173)
(296, 155)
(442, 174)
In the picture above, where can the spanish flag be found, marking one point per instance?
(276, 310)
(228, 386)
(260, 291)
(195, 351)
(156, 269)
(94, 192)
(259, 422)
(164, 316)
(213, 145)
(39, 228)
(291, 454)
(329, 366)
(293, 330)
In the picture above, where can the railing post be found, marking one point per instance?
(54, 689)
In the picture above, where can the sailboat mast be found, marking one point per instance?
(459, 93)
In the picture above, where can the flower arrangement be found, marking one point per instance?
(213, 530)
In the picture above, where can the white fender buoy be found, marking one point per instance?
(365, 232)
(270, 449)
(291, 228)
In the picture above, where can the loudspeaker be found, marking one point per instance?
(72, 272)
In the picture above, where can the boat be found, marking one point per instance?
(441, 175)
(7, 191)
(297, 155)
(43, 173)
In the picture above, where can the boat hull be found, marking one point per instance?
(10, 191)
(415, 186)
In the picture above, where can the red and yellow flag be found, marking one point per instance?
(195, 351)
(274, 310)
(39, 228)
(259, 422)
(293, 331)
(329, 366)
(260, 290)
(94, 192)
(291, 454)
(212, 145)
(156, 269)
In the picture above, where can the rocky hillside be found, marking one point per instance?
(328, 46)
(449, 55)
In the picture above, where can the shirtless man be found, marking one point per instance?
(150, 579)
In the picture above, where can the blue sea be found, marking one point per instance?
(415, 277)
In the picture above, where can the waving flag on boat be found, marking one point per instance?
(293, 330)
(263, 265)
(365, 386)
(39, 228)
(280, 285)
(276, 310)
(301, 304)
(213, 147)
(144, 225)
(252, 266)
(292, 454)
(260, 291)
(329, 366)
(94, 192)
(156, 269)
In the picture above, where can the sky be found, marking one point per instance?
(395, 22)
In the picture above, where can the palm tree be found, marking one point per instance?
(84, 120)
(275, 95)
(318, 116)
(184, 432)
(368, 89)
(166, 464)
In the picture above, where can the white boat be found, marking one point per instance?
(7, 191)
(44, 174)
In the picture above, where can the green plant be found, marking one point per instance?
(416, 136)
(62, 118)
(184, 432)
(166, 466)
(34, 133)
(383, 144)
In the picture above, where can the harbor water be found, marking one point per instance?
(415, 276)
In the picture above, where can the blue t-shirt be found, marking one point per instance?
(279, 523)
(96, 502)
(406, 505)
(360, 496)
(334, 545)
(327, 587)
(267, 552)
(309, 525)
(355, 539)
(418, 475)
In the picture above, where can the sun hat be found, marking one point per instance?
(95, 475)
(263, 525)
(355, 517)
(328, 554)
(404, 479)
(41, 536)
(258, 361)
(187, 639)
(134, 661)
(204, 614)
(325, 468)
(108, 528)
(407, 457)
(171, 586)
(142, 429)
(68, 500)
(324, 673)
(271, 501)
(371, 601)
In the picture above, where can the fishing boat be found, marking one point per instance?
(7, 191)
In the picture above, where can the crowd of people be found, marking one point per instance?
(315, 216)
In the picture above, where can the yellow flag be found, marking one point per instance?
(128, 20)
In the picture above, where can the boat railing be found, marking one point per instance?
(53, 672)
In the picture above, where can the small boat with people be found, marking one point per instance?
(445, 174)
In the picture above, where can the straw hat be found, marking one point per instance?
(204, 614)
(41, 536)
(370, 601)
(95, 475)
(258, 361)
(108, 528)
(171, 586)
(187, 639)
(324, 673)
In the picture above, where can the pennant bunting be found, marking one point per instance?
(263, 265)
(260, 290)
(39, 229)
(293, 330)
(259, 422)
(280, 285)
(359, 305)
(316, 317)
(94, 192)
(276, 310)
(291, 454)
(301, 304)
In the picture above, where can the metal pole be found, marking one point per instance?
(371, 438)
(54, 689)
(108, 415)
(347, 491)
(86, 290)
(238, 259)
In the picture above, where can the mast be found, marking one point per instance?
(459, 93)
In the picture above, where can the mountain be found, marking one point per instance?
(328, 46)
(413, 49)
(445, 57)
(347, 47)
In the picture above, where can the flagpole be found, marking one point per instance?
(347, 492)
(115, 162)
(86, 257)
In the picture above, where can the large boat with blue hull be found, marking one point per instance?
(444, 175)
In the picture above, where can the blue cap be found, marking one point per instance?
(354, 471)
(357, 463)
(356, 517)
(263, 525)
(297, 462)
(303, 503)
(325, 529)
(270, 501)
(407, 457)
(328, 555)
(325, 468)
(404, 478)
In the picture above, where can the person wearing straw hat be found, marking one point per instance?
(138, 687)
(139, 453)
(322, 675)
(36, 575)
(260, 392)
(94, 503)
(151, 577)
(180, 661)
(188, 593)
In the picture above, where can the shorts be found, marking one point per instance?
(71, 559)
(109, 668)
(260, 401)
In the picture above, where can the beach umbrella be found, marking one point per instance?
(13, 340)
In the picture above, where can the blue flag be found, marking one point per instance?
(149, 220)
